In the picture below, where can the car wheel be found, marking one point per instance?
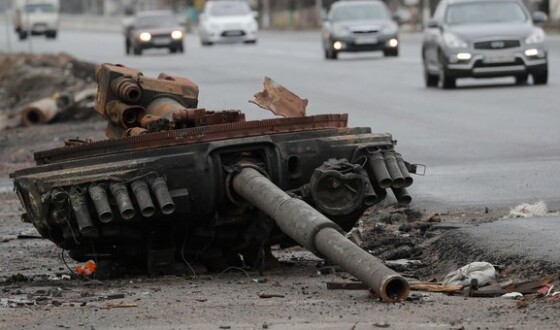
(127, 46)
(180, 49)
(251, 41)
(205, 43)
(331, 54)
(137, 50)
(540, 78)
(521, 79)
(53, 34)
(172, 50)
(391, 52)
(22, 35)
(431, 80)
(447, 82)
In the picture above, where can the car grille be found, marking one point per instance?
(161, 35)
(481, 64)
(360, 32)
(233, 33)
(497, 44)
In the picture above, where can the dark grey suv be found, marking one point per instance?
(356, 26)
(484, 38)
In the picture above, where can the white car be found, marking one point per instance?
(227, 21)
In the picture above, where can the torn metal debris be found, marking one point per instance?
(280, 100)
(175, 183)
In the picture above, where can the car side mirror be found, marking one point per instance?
(539, 17)
(432, 24)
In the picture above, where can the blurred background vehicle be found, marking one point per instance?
(227, 21)
(474, 38)
(356, 26)
(36, 17)
(154, 29)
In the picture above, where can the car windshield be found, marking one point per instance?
(39, 8)
(230, 9)
(156, 20)
(485, 12)
(360, 12)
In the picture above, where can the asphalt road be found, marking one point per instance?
(486, 143)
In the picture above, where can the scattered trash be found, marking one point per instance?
(512, 295)
(27, 78)
(115, 296)
(86, 270)
(526, 210)
(483, 272)
(430, 287)
(546, 290)
(120, 305)
(265, 295)
(381, 324)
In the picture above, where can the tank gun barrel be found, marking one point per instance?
(317, 233)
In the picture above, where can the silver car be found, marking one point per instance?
(484, 39)
(360, 26)
(227, 21)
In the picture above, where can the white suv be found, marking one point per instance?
(227, 21)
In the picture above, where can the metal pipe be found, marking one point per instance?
(101, 202)
(120, 192)
(393, 169)
(370, 197)
(124, 115)
(39, 112)
(378, 169)
(142, 193)
(402, 195)
(404, 170)
(318, 234)
(127, 89)
(79, 201)
(163, 197)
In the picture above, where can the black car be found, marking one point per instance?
(484, 38)
(357, 26)
(154, 29)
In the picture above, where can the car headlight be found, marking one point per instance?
(452, 41)
(145, 36)
(176, 35)
(536, 37)
(341, 30)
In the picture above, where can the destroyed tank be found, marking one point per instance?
(175, 183)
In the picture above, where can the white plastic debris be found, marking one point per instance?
(526, 210)
(484, 272)
(512, 295)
